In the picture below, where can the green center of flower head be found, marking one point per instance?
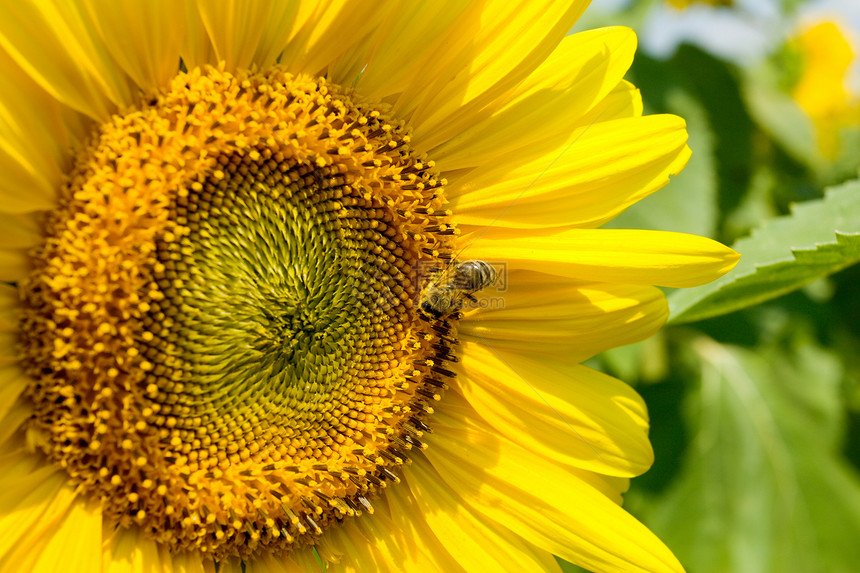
(221, 327)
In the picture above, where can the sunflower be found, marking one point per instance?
(826, 54)
(221, 222)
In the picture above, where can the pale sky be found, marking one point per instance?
(743, 34)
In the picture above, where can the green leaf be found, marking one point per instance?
(689, 203)
(820, 237)
(569, 567)
(726, 136)
(763, 487)
(782, 118)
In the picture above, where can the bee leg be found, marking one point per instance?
(430, 311)
(470, 297)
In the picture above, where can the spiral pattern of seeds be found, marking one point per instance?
(220, 326)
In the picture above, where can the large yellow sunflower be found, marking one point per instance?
(235, 244)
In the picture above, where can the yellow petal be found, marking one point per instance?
(353, 547)
(536, 313)
(558, 409)
(8, 346)
(611, 486)
(406, 516)
(286, 19)
(541, 112)
(20, 190)
(19, 230)
(7, 358)
(375, 543)
(44, 524)
(14, 264)
(57, 45)
(308, 562)
(608, 255)
(9, 350)
(12, 384)
(20, 465)
(623, 102)
(235, 565)
(145, 38)
(15, 414)
(36, 133)
(253, 34)
(476, 544)
(8, 308)
(408, 44)
(332, 28)
(268, 563)
(127, 550)
(552, 508)
(500, 50)
(185, 562)
(72, 545)
(197, 47)
(601, 170)
(236, 28)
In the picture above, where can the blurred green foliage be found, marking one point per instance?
(754, 386)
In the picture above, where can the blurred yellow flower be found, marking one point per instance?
(217, 221)
(826, 55)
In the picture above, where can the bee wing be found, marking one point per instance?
(448, 276)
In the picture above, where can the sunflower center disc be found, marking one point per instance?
(220, 326)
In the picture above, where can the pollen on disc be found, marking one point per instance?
(221, 327)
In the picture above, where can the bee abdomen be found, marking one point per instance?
(472, 276)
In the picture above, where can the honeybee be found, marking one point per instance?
(445, 290)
